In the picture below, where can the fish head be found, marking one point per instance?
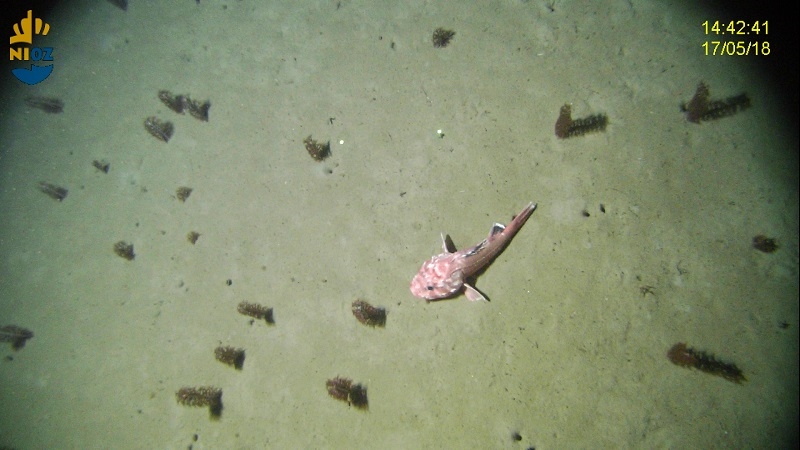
(439, 277)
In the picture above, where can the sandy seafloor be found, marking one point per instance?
(569, 353)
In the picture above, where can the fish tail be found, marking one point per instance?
(520, 219)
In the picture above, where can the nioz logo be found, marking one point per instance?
(23, 34)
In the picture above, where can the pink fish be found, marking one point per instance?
(446, 274)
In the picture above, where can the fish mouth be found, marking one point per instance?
(419, 288)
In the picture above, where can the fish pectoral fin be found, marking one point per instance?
(473, 294)
(447, 244)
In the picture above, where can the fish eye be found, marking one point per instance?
(430, 288)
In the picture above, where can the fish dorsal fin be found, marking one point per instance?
(497, 229)
(447, 244)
